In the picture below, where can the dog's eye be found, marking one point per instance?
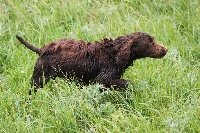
(152, 43)
(136, 43)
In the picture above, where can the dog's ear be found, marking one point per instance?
(123, 56)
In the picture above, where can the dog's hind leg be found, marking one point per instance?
(41, 75)
(37, 80)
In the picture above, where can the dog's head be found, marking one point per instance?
(139, 45)
(144, 45)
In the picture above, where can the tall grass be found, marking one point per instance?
(163, 95)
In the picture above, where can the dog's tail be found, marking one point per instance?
(28, 45)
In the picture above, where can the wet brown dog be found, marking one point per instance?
(101, 62)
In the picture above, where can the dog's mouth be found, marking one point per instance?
(157, 52)
(160, 53)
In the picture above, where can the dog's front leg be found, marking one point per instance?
(119, 83)
(109, 79)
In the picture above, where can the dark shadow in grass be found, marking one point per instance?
(120, 98)
(3, 60)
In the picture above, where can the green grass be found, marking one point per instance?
(163, 95)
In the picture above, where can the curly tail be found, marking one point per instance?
(28, 45)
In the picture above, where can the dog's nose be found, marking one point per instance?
(165, 49)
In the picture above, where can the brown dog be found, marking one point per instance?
(102, 62)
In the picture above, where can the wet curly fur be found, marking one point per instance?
(101, 62)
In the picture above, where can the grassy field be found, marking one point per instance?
(163, 95)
